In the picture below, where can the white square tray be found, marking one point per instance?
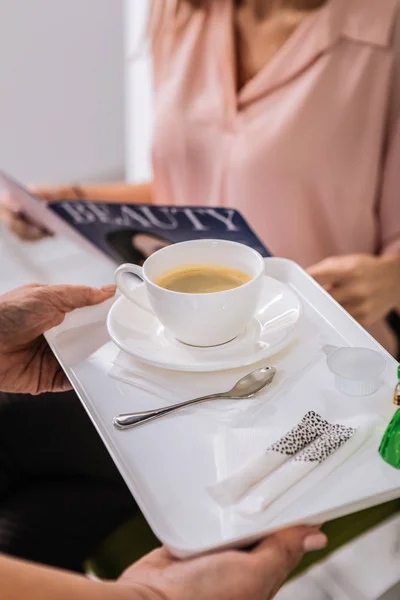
(169, 463)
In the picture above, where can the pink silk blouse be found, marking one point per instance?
(308, 150)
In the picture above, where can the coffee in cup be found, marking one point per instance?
(205, 292)
(202, 279)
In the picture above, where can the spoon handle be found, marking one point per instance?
(128, 421)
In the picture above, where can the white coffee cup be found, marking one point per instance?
(206, 319)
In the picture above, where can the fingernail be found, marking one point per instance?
(108, 288)
(315, 542)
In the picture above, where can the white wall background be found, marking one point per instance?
(62, 89)
(139, 93)
(62, 96)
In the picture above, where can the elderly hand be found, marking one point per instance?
(368, 287)
(231, 575)
(26, 362)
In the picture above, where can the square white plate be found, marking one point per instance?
(169, 463)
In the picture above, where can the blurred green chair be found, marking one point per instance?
(134, 539)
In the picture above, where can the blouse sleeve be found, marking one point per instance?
(389, 203)
(389, 208)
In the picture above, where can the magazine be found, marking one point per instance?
(131, 232)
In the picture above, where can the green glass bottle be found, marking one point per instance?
(390, 445)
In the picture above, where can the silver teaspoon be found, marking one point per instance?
(245, 388)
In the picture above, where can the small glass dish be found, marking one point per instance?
(357, 370)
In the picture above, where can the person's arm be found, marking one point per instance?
(139, 193)
(389, 210)
(20, 579)
(369, 286)
(365, 285)
(231, 575)
(10, 214)
(27, 364)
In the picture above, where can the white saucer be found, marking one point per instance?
(140, 334)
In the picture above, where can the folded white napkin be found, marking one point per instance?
(232, 488)
(291, 459)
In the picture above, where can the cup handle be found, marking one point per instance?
(125, 289)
